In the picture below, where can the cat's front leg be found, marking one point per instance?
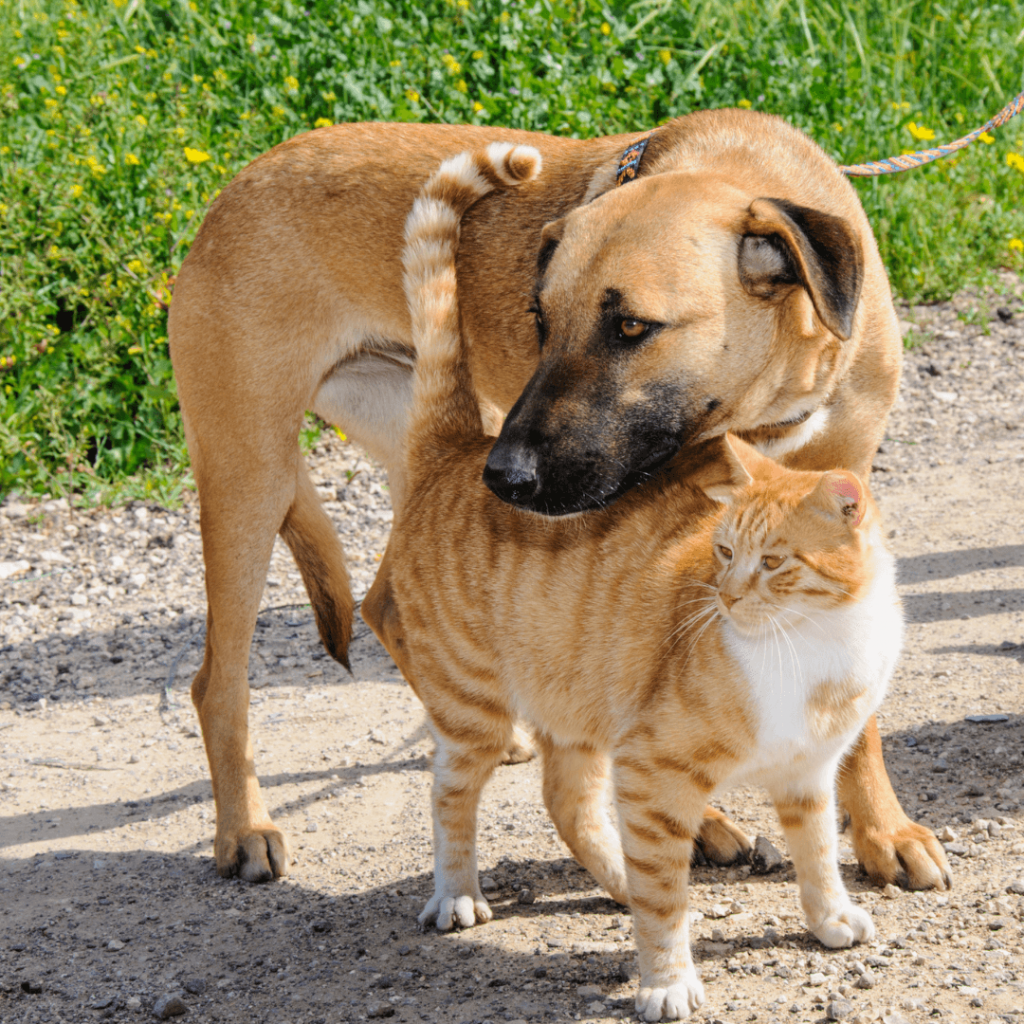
(659, 819)
(460, 771)
(808, 817)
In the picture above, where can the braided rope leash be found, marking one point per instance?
(629, 162)
(908, 161)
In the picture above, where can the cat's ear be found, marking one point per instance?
(840, 493)
(723, 475)
(785, 244)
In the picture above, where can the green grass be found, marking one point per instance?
(119, 121)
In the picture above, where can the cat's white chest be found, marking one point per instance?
(814, 683)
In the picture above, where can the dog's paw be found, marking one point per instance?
(906, 854)
(255, 855)
(447, 910)
(844, 927)
(673, 1002)
(720, 841)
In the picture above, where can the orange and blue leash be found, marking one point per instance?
(629, 162)
(908, 161)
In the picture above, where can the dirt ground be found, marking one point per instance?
(110, 908)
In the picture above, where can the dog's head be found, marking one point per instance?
(669, 311)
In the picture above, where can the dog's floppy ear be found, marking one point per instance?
(550, 236)
(788, 244)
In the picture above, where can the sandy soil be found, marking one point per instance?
(109, 902)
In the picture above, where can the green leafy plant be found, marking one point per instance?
(120, 120)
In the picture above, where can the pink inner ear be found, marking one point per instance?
(847, 489)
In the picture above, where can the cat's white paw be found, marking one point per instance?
(677, 1001)
(446, 911)
(846, 926)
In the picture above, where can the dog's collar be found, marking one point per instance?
(629, 162)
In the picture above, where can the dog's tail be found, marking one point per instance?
(445, 408)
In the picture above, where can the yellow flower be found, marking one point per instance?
(461, 86)
(606, 29)
(250, 40)
(76, 191)
(745, 104)
(836, 126)
(134, 350)
(5, 150)
(195, 156)
(136, 266)
(395, 63)
(412, 95)
(986, 138)
(50, 104)
(504, 17)
(1015, 160)
(329, 97)
(464, 4)
(478, 55)
(141, 120)
(291, 84)
(665, 55)
(221, 76)
(61, 91)
(322, 122)
(337, 430)
(3, 209)
(453, 66)
(54, 253)
(132, 160)
(920, 132)
(477, 106)
(1016, 245)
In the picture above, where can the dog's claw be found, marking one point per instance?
(259, 856)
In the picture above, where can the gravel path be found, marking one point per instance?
(111, 908)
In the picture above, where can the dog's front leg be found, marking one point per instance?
(892, 848)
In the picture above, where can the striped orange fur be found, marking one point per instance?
(741, 624)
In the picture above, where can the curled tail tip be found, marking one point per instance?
(514, 164)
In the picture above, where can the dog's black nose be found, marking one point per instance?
(511, 473)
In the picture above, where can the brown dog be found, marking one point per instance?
(731, 283)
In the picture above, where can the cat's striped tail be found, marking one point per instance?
(445, 409)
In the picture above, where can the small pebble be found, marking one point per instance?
(839, 1009)
(817, 979)
(197, 986)
(377, 1008)
(765, 857)
(867, 980)
(488, 884)
(891, 892)
(525, 896)
(115, 945)
(169, 1006)
(588, 991)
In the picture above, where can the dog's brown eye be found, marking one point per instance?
(772, 561)
(724, 553)
(632, 329)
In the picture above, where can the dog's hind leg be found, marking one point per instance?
(240, 514)
(310, 535)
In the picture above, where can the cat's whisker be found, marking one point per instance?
(677, 633)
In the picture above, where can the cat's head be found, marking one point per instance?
(787, 543)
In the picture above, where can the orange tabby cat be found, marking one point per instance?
(662, 649)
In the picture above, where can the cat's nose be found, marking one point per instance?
(728, 599)
(511, 473)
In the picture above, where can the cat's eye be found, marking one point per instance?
(633, 330)
(724, 553)
(771, 562)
